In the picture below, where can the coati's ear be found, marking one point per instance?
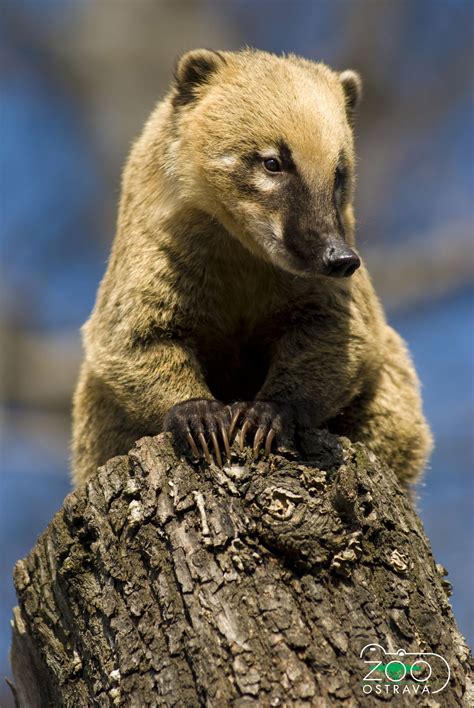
(193, 70)
(352, 85)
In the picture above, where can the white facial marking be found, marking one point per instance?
(276, 227)
(265, 183)
(171, 158)
(227, 161)
(269, 151)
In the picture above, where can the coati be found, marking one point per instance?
(234, 301)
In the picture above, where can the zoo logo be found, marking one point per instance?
(412, 673)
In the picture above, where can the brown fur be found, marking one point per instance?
(202, 297)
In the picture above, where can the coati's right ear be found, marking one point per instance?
(192, 71)
(352, 86)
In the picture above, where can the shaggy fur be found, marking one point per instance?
(216, 287)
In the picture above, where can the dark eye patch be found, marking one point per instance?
(251, 159)
(340, 178)
(286, 157)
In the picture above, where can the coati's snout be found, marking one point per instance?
(340, 261)
(310, 255)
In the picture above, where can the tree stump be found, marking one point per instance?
(269, 583)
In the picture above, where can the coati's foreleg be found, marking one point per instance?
(318, 388)
(266, 421)
(195, 421)
(130, 392)
(313, 375)
(387, 417)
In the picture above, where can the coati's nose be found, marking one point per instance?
(340, 261)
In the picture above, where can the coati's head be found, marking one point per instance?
(265, 146)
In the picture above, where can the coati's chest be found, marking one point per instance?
(243, 315)
(235, 327)
(235, 369)
(235, 361)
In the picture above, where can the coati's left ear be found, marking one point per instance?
(192, 71)
(352, 85)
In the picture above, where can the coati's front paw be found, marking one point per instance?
(271, 422)
(195, 422)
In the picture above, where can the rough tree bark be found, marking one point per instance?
(164, 583)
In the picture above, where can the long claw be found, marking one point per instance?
(243, 433)
(268, 441)
(205, 449)
(226, 441)
(234, 421)
(259, 435)
(192, 445)
(217, 452)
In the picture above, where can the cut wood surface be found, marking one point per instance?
(167, 583)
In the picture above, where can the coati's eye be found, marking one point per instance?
(271, 164)
(339, 178)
